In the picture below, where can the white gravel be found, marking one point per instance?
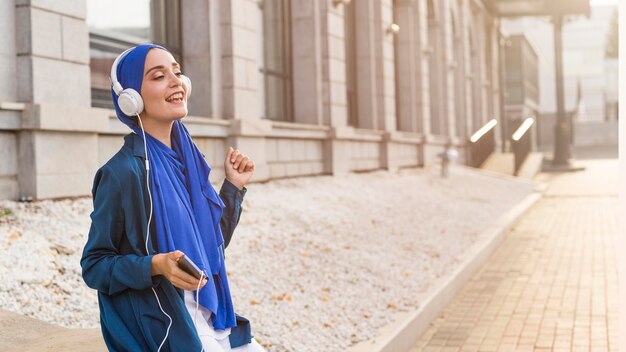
(316, 263)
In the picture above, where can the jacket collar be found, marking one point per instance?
(135, 142)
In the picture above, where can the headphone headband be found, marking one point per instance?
(117, 87)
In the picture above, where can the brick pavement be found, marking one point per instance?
(552, 285)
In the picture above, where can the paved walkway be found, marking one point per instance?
(552, 285)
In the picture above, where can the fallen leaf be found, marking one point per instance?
(281, 297)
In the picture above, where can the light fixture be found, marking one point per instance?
(393, 29)
(340, 2)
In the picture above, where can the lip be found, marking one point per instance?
(176, 92)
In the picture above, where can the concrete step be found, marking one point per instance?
(504, 163)
(22, 333)
(532, 166)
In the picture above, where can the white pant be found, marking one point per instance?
(212, 345)
(214, 341)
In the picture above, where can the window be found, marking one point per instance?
(116, 25)
(276, 66)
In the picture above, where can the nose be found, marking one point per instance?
(176, 81)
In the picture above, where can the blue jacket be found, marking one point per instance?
(115, 263)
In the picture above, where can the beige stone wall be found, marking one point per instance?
(417, 89)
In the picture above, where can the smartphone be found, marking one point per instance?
(189, 267)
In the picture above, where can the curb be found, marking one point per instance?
(22, 333)
(404, 332)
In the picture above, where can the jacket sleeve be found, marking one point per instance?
(104, 268)
(232, 198)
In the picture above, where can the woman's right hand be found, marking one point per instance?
(166, 264)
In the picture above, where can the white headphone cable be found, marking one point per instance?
(145, 146)
(195, 314)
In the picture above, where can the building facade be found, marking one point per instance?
(303, 87)
(590, 78)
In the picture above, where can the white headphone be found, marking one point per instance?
(129, 100)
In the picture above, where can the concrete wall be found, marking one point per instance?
(8, 167)
(52, 141)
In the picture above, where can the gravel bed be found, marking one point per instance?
(316, 263)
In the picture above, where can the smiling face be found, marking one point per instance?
(163, 92)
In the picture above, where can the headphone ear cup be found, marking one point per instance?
(187, 83)
(130, 102)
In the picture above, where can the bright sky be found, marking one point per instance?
(109, 14)
(603, 2)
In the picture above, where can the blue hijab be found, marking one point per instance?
(187, 209)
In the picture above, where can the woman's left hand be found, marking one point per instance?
(238, 167)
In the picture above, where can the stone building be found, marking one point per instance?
(304, 87)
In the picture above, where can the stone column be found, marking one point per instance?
(240, 23)
(8, 54)
(333, 65)
(8, 93)
(387, 116)
(482, 72)
(386, 57)
(461, 82)
(307, 61)
(449, 70)
(476, 69)
(57, 139)
(438, 64)
(53, 52)
(421, 57)
(201, 55)
(367, 67)
(333, 96)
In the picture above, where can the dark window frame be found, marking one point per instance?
(286, 77)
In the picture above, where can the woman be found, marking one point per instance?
(159, 181)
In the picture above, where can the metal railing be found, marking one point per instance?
(481, 144)
(521, 143)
